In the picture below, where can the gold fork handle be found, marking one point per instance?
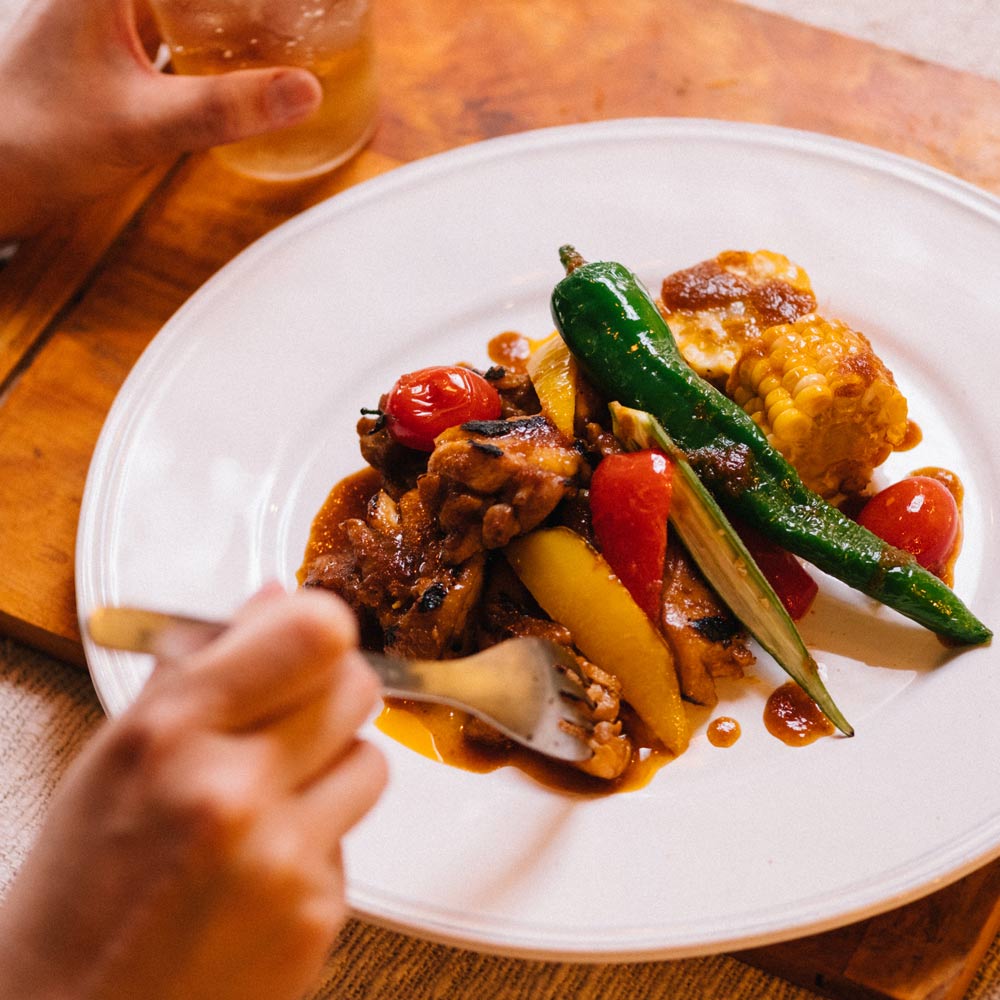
(140, 630)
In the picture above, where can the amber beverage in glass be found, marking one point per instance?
(332, 38)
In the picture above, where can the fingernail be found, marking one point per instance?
(291, 96)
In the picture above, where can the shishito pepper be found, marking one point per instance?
(611, 324)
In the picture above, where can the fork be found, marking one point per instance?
(527, 687)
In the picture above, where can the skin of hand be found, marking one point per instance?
(193, 850)
(85, 110)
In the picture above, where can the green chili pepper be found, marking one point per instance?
(613, 328)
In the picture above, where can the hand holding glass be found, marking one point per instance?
(331, 38)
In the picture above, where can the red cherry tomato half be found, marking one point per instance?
(919, 515)
(424, 403)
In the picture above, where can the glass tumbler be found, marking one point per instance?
(332, 38)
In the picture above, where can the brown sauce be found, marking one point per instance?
(794, 718)
(510, 349)
(347, 499)
(723, 731)
(946, 478)
(436, 732)
(913, 436)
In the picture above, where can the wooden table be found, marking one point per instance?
(79, 303)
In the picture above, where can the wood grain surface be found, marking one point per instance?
(80, 303)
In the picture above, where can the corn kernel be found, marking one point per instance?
(813, 396)
(776, 400)
(792, 425)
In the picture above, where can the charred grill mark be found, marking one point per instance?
(727, 465)
(501, 428)
(716, 628)
(487, 449)
(488, 428)
(494, 373)
(432, 598)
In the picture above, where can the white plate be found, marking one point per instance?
(237, 420)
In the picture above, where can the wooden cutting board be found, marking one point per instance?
(80, 303)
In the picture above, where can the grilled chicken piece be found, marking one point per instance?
(496, 479)
(612, 751)
(389, 569)
(517, 392)
(413, 567)
(707, 642)
(399, 466)
(612, 748)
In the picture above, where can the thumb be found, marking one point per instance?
(195, 112)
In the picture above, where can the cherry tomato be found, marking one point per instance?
(629, 502)
(424, 403)
(918, 515)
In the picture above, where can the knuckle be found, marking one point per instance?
(315, 629)
(144, 738)
(172, 114)
(220, 118)
(217, 812)
(177, 781)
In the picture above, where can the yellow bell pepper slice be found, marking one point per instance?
(577, 588)
(553, 373)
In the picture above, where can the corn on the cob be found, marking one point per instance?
(824, 399)
(714, 308)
